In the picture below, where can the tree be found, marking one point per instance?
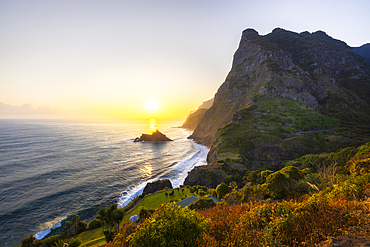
(118, 215)
(171, 226)
(74, 242)
(109, 214)
(277, 184)
(31, 241)
(143, 213)
(81, 226)
(75, 220)
(102, 216)
(221, 190)
(95, 223)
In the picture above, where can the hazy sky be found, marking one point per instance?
(112, 58)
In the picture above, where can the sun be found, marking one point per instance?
(152, 106)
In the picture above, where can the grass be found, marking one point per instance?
(94, 237)
(152, 201)
(275, 129)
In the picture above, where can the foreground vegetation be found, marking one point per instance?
(308, 199)
(300, 205)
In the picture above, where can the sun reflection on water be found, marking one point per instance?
(152, 127)
(146, 171)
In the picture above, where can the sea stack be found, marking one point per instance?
(156, 136)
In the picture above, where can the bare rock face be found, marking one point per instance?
(206, 177)
(157, 186)
(287, 94)
(314, 69)
(155, 137)
(194, 118)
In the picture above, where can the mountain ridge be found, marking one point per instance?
(292, 82)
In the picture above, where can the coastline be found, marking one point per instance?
(182, 168)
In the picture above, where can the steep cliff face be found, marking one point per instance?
(311, 68)
(363, 51)
(194, 118)
(287, 95)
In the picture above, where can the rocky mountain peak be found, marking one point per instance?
(312, 69)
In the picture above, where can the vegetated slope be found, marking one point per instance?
(307, 200)
(194, 118)
(363, 51)
(287, 95)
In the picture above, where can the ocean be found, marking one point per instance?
(52, 169)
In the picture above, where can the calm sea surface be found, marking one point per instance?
(52, 169)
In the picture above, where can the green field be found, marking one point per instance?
(91, 238)
(152, 201)
(96, 237)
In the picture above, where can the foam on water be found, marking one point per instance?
(57, 222)
(66, 168)
(182, 166)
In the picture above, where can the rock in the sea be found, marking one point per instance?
(157, 136)
(157, 185)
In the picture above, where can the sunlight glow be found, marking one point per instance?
(152, 106)
(152, 128)
(146, 171)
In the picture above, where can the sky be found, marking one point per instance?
(142, 59)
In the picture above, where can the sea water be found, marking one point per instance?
(50, 170)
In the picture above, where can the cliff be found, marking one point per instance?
(287, 95)
(363, 51)
(194, 118)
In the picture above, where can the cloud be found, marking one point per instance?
(27, 110)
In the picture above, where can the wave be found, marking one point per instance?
(50, 225)
(111, 147)
(182, 167)
(186, 165)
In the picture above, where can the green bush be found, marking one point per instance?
(95, 223)
(355, 188)
(143, 213)
(202, 203)
(201, 192)
(81, 226)
(31, 241)
(221, 190)
(74, 242)
(50, 241)
(277, 183)
(171, 226)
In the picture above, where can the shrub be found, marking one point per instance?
(171, 226)
(202, 203)
(50, 241)
(143, 213)
(276, 183)
(221, 190)
(355, 188)
(122, 237)
(359, 165)
(74, 242)
(201, 192)
(108, 235)
(81, 226)
(31, 241)
(95, 223)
